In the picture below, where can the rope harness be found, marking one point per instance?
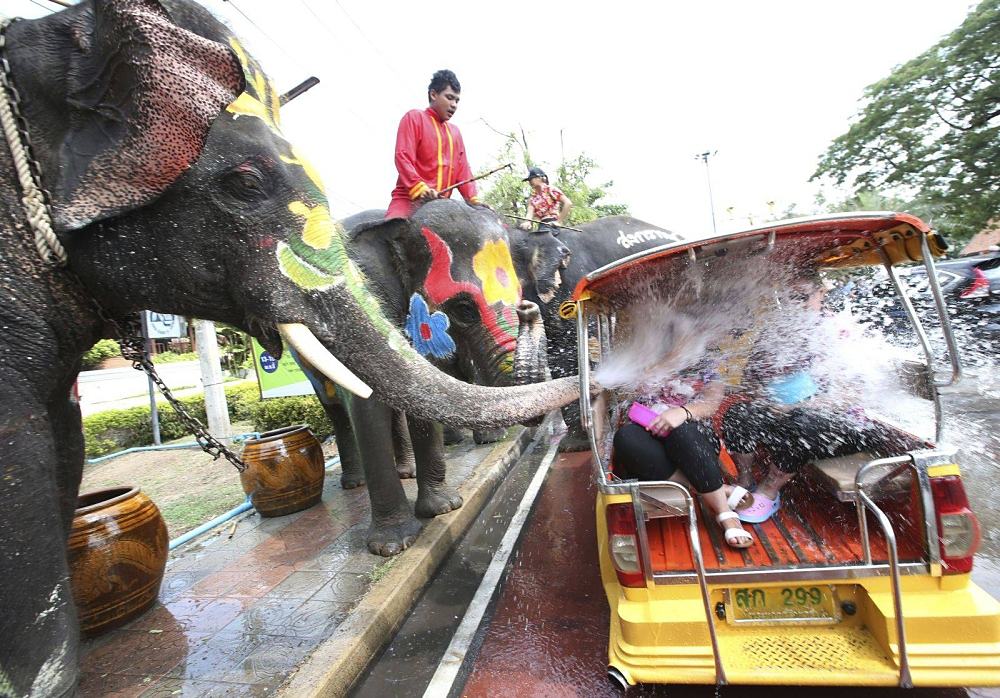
(36, 202)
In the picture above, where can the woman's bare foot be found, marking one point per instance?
(744, 469)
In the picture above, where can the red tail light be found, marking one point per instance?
(623, 545)
(958, 527)
(980, 286)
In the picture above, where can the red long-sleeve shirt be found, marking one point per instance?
(430, 153)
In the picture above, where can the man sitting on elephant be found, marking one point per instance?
(430, 154)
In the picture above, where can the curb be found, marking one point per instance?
(333, 667)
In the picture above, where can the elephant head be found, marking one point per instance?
(457, 281)
(174, 189)
(544, 259)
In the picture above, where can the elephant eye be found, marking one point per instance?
(462, 311)
(246, 183)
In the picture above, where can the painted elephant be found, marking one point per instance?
(447, 279)
(554, 267)
(171, 188)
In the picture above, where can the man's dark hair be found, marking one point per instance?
(442, 79)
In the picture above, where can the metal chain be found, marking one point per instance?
(38, 208)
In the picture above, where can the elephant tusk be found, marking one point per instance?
(313, 351)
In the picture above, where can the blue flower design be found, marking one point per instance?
(428, 331)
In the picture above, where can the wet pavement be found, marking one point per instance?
(240, 609)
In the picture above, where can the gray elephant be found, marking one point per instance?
(554, 267)
(447, 279)
(171, 188)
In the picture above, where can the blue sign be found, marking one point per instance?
(268, 362)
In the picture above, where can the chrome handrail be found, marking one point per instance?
(905, 680)
(949, 336)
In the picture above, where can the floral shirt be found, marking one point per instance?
(681, 388)
(546, 202)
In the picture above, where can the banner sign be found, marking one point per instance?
(163, 326)
(279, 377)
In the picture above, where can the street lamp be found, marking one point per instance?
(711, 202)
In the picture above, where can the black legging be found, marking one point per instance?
(692, 447)
(792, 438)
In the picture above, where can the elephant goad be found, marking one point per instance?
(172, 188)
(554, 267)
(446, 277)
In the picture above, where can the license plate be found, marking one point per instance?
(793, 605)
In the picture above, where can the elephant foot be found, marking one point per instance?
(389, 540)
(407, 471)
(349, 481)
(453, 435)
(574, 440)
(488, 436)
(439, 500)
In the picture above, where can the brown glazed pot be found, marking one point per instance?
(284, 470)
(117, 554)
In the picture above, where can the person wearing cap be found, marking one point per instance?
(546, 204)
(430, 153)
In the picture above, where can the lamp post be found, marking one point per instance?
(711, 202)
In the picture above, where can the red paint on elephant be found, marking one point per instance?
(440, 286)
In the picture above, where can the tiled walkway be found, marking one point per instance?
(238, 614)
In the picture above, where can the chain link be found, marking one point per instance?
(129, 331)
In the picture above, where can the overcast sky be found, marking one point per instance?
(641, 87)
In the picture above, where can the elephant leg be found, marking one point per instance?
(433, 495)
(393, 527)
(488, 436)
(453, 435)
(352, 472)
(38, 624)
(406, 464)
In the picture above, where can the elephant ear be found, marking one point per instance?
(142, 95)
(406, 244)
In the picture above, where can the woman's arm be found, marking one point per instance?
(707, 404)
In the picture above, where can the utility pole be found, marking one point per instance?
(211, 377)
(711, 202)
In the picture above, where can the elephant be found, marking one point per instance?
(555, 264)
(165, 182)
(446, 277)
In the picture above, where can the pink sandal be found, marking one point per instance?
(761, 510)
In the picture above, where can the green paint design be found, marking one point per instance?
(301, 273)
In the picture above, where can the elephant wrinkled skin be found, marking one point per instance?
(172, 189)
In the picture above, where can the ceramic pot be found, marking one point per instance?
(284, 470)
(117, 553)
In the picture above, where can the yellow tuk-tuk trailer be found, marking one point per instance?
(868, 587)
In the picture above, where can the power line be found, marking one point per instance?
(267, 36)
(371, 43)
(48, 10)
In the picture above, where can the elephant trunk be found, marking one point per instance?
(381, 357)
(530, 357)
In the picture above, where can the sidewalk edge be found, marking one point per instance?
(333, 667)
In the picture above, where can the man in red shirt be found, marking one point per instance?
(430, 153)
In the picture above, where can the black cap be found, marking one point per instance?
(536, 172)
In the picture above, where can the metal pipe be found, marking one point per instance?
(163, 447)
(949, 337)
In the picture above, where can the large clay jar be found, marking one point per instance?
(284, 470)
(117, 553)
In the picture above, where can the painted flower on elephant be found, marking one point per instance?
(495, 268)
(428, 331)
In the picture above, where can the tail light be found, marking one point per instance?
(958, 527)
(623, 544)
(980, 286)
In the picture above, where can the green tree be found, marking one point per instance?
(930, 131)
(506, 193)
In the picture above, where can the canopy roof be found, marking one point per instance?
(838, 240)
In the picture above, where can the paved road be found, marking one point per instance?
(115, 388)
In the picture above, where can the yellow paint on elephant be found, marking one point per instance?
(495, 268)
(319, 228)
(261, 99)
(311, 172)
(303, 274)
